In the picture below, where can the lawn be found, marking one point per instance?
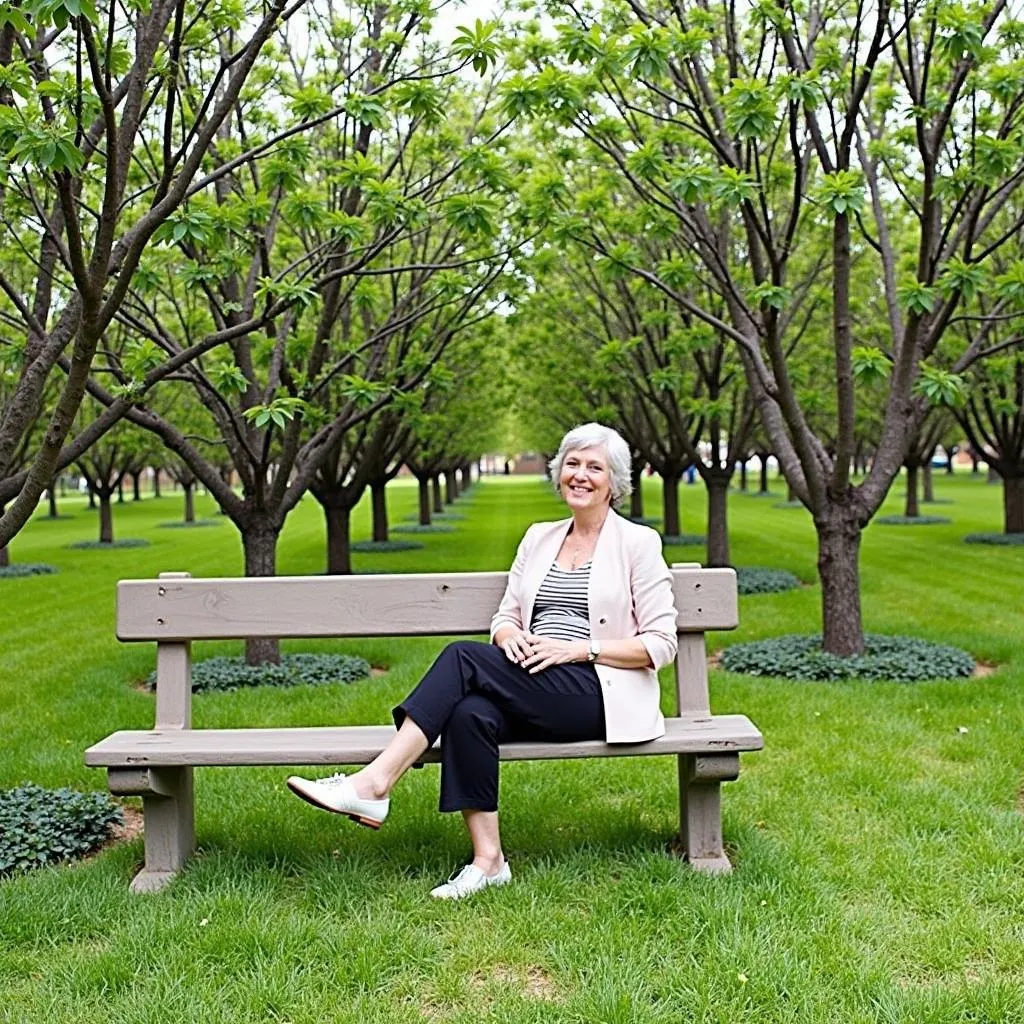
(878, 839)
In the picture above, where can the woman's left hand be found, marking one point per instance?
(546, 651)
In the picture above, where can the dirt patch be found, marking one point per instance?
(983, 669)
(715, 660)
(130, 829)
(531, 982)
(378, 670)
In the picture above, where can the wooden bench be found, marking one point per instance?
(176, 609)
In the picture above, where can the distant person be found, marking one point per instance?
(586, 620)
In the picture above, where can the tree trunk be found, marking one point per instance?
(763, 488)
(424, 489)
(839, 572)
(379, 501)
(718, 522)
(156, 483)
(743, 481)
(1013, 504)
(435, 490)
(927, 487)
(5, 554)
(790, 493)
(136, 492)
(451, 486)
(92, 496)
(51, 495)
(950, 452)
(670, 504)
(120, 491)
(339, 551)
(106, 518)
(975, 468)
(910, 510)
(190, 505)
(636, 479)
(636, 501)
(260, 546)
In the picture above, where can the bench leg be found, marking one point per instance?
(700, 780)
(170, 828)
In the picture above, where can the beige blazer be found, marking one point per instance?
(630, 594)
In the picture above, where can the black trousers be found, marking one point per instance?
(474, 698)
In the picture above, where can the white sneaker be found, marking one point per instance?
(337, 794)
(470, 880)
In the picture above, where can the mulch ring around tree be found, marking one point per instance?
(683, 540)
(383, 546)
(179, 524)
(799, 656)
(912, 520)
(95, 545)
(224, 674)
(41, 826)
(756, 579)
(420, 528)
(21, 570)
(999, 539)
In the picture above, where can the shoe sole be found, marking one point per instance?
(359, 819)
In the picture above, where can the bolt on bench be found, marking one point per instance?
(177, 609)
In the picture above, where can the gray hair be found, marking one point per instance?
(594, 435)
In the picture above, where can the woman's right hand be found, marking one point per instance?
(517, 647)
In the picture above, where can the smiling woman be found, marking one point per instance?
(586, 621)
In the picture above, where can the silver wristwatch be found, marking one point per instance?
(595, 649)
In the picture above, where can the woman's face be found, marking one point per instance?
(585, 481)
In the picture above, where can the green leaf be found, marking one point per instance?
(870, 364)
(961, 277)
(478, 45)
(941, 387)
(916, 298)
(842, 192)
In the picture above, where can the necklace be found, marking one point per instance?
(578, 551)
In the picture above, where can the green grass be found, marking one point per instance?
(879, 850)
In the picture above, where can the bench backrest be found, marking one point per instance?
(176, 609)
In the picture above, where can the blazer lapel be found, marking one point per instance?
(602, 561)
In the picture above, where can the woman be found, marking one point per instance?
(586, 620)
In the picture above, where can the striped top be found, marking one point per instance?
(561, 610)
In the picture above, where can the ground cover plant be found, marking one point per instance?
(878, 843)
(757, 579)
(226, 673)
(799, 656)
(45, 826)
(898, 520)
(20, 569)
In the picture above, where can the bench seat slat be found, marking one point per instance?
(359, 744)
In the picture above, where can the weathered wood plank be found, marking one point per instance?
(359, 744)
(426, 604)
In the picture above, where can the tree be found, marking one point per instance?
(361, 250)
(896, 131)
(992, 417)
(89, 96)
